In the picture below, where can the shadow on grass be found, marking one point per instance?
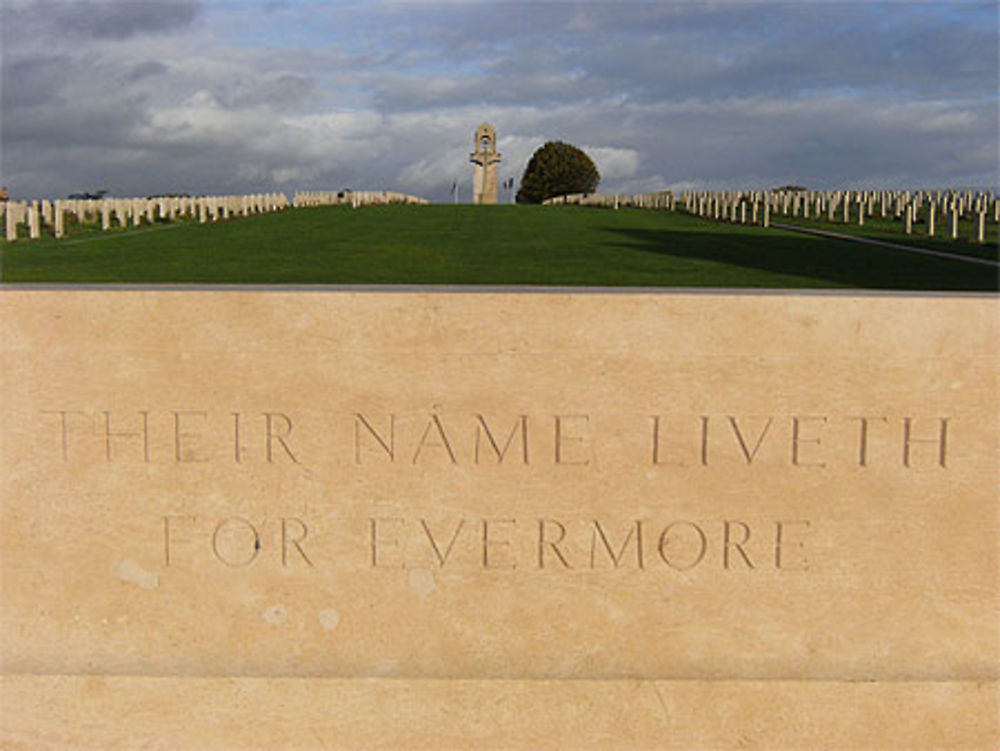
(826, 260)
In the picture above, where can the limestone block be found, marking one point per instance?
(498, 520)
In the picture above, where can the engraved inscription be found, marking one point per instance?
(177, 436)
(478, 440)
(490, 544)
(552, 544)
(812, 441)
(235, 541)
(436, 441)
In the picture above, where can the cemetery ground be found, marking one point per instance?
(494, 245)
(887, 230)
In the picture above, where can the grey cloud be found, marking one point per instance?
(716, 94)
(81, 126)
(678, 50)
(118, 19)
(147, 69)
(281, 91)
(33, 80)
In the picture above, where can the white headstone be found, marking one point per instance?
(34, 228)
(11, 218)
(58, 219)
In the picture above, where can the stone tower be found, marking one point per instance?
(485, 158)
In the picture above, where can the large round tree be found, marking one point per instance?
(557, 169)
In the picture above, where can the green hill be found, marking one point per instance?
(480, 245)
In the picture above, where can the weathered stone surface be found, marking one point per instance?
(446, 515)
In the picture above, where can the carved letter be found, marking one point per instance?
(237, 447)
(656, 453)
(656, 438)
(702, 545)
(179, 454)
(487, 542)
(64, 427)
(941, 441)
(598, 533)
(442, 557)
(389, 448)
(286, 540)
(167, 536)
(728, 543)
(797, 439)
(863, 438)
(482, 428)
(542, 542)
(108, 434)
(435, 422)
(271, 434)
(561, 438)
(747, 453)
(254, 547)
(376, 540)
(779, 541)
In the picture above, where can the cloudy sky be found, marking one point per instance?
(213, 96)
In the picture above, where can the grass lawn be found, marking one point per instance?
(447, 244)
(889, 230)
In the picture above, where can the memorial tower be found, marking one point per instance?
(485, 158)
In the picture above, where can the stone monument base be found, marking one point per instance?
(484, 519)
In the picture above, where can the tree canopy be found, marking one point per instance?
(557, 169)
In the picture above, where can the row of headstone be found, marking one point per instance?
(354, 198)
(848, 207)
(658, 200)
(129, 212)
